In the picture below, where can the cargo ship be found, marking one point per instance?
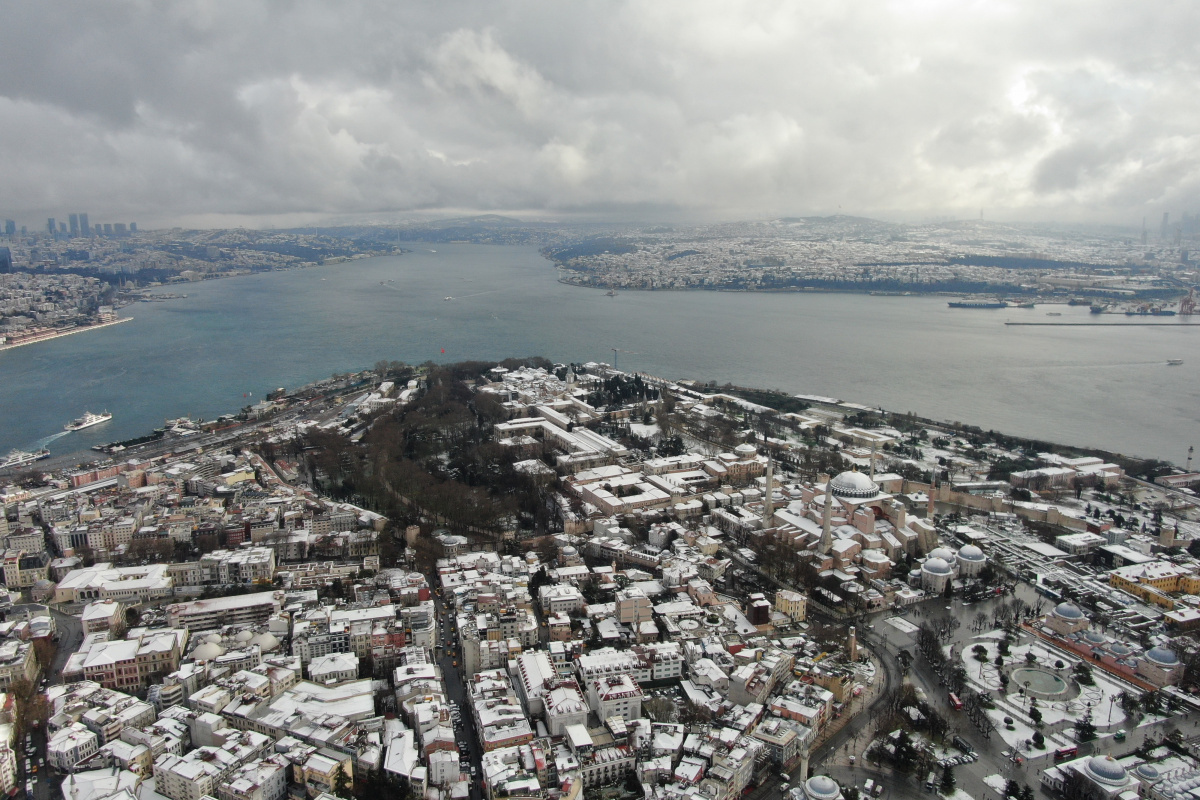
(87, 420)
(978, 304)
(19, 458)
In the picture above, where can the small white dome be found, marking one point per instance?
(822, 787)
(1068, 611)
(1162, 655)
(936, 566)
(944, 553)
(971, 553)
(266, 642)
(208, 651)
(243, 636)
(213, 638)
(1107, 770)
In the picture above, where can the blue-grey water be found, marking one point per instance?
(1092, 386)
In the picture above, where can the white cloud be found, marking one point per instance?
(201, 110)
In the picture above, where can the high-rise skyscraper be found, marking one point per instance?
(108, 229)
(51, 226)
(74, 224)
(84, 229)
(1162, 234)
(133, 227)
(10, 228)
(62, 228)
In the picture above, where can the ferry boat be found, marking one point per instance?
(88, 420)
(978, 304)
(18, 458)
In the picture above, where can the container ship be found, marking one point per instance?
(18, 458)
(88, 420)
(978, 304)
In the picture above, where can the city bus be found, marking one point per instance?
(1066, 752)
(955, 703)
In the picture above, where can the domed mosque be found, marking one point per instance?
(936, 572)
(1066, 618)
(819, 787)
(1161, 666)
(1100, 777)
(854, 485)
(970, 561)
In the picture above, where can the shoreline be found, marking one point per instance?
(46, 337)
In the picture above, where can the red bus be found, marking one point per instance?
(1066, 752)
(955, 703)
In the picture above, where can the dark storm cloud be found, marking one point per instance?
(193, 110)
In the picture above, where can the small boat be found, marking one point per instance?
(447, 297)
(611, 293)
(1174, 362)
(1053, 313)
(1025, 305)
(87, 420)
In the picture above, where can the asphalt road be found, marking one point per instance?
(70, 637)
(456, 690)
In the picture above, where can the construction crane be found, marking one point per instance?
(1187, 306)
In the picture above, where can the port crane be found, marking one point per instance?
(1187, 306)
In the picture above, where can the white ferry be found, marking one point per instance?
(19, 457)
(88, 420)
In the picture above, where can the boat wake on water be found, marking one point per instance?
(46, 440)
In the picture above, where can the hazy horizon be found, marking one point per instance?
(200, 115)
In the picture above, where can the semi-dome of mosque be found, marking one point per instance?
(1162, 655)
(971, 553)
(208, 651)
(1107, 770)
(936, 566)
(821, 787)
(944, 553)
(853, 484)
(1068, 611)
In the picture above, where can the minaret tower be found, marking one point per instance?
(826, 520)
(769, 495)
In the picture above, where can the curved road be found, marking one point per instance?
(864, 717)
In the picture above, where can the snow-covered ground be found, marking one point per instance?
(997, 782)
(985, 677)
(644, 431)
(902, 625)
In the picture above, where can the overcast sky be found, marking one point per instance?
(262, 112)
